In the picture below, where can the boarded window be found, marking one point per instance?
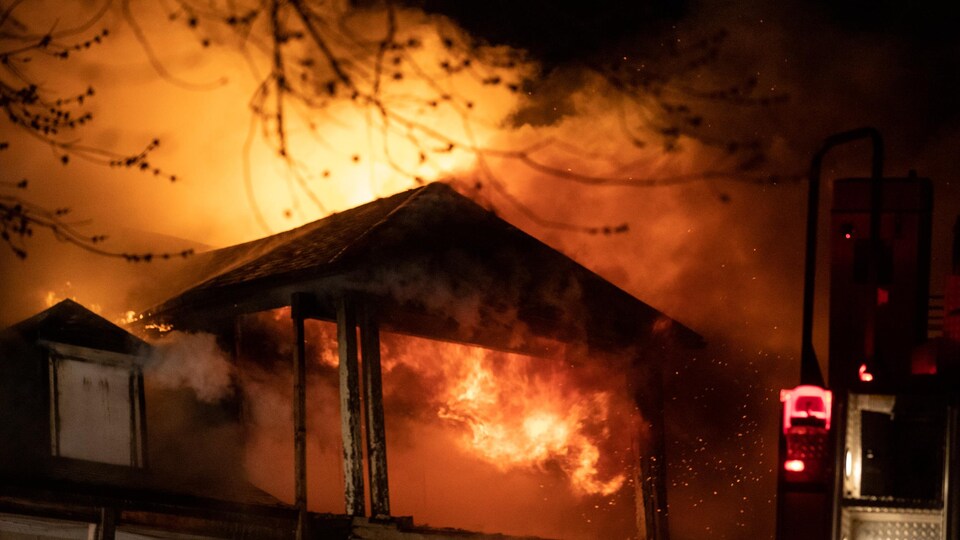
(95, 408)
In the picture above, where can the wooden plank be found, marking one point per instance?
(54, 405)
(376, 432)
(297, 302)
(350, 407)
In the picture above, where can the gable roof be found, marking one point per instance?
(311, 246)
(430, 252)
(70, 323)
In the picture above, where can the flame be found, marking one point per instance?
(67, 292)
(347, 152)
(507, 410)
(515, 412)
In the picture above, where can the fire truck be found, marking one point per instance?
(872, 452)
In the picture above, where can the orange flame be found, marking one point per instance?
(513, 416)
(511, 411)
(68, 292)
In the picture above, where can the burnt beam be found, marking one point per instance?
(647, 386)
(350, 417)
(373, 394)
(299, 302)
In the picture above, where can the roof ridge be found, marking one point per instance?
(413, 195)
(254, 250)
(293, 234)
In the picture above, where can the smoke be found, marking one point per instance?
(195, 434)
(194, 361)
(725, 256)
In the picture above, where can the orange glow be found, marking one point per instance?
(794, 465)
(865, 375)
(345, 154)
(513, 412)
(511, 417)
(68, 292)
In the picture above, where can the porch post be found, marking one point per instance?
(373, 394)
(350, 407)
(651, 479)
(297, 306)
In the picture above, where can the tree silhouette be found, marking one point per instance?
(399, 74)
(395, 72)
(33, 110)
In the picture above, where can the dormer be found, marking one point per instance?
(96, 405)
(80, 377)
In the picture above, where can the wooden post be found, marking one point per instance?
(651, 481)
(639, 486)
(142, 417)
(658, 458)
(376, 435)
(350, 407)
(106, 529)
(297, 306)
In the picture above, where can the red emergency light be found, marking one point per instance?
(794, 465)
(806, 405)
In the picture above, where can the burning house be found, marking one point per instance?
(422, 301)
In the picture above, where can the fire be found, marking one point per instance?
(510, 411)
(68, 292)
(426, 123)
(516, 412)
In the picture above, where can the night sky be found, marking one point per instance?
(722, 254)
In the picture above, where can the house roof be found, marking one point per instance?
(70, 323)
(311, 246)
(439, 265)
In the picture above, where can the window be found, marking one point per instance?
(96, 406)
